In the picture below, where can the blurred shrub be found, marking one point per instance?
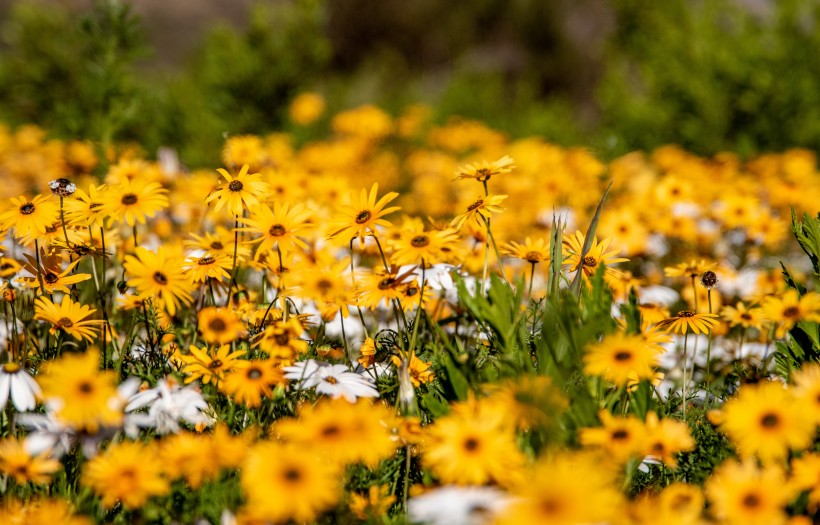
(72, 74)
(713, 75)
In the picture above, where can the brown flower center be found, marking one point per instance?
(216, 245)
(51, 277)
(281, 339)
(216, 363)
(620, 435)
(386, 283)
(205, 261)
(420, 241)
(324, 285)
(293, 475)
(746, 316)
(27, 208)
(277, 230)
(623, 355)
(332, 380)
(751, 501)
(254, 373)
(533, 257)
(475, 205)
(590, 261)
(330, 431)
(770, 420)
(217, 324)
(363, 217)
(792, 312)
(471, 444)
(160, 278)
(128, 199)
(686, 313)
(85, 387)
(236, 185)
(65, 322)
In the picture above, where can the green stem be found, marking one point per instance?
(683, 368)
(235, 249)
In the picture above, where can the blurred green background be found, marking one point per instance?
(613, 75)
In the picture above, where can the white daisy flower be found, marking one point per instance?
(168, 403)
(20, 386)
(332, 380)
(452, 505)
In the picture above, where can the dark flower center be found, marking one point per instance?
(386, 283)
(471, 444)
(620, 434)
(281, 339)
(206, 261)
(254, 373)
(129, 199)
(475, 205)
(51, 277)
(792, 312)
(65, 322)
(216, 245)
(420, 241)
(330, 431)
(160, 278)
(217, 325)
(85, 387)
(590, 261)
(623, 355)
(27, 208)
(324, 285)
(708, 279)
(533, 257)
(751, 501)
(216, 363)
(770, 420)
(292, 475)
(236, 185)
(686, 313)
(277, 230)
(363, 217)
(746, 316)
(332, 380)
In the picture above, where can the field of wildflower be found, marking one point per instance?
(407, 323)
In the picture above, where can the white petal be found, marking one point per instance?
(5, 382)
(21, 394)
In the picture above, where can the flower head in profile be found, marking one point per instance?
(482, 171)
(479, 211)
(238, 192)
(363, 214)
(531, 251)
(689, 321)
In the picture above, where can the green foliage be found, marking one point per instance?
(78, 81)
(713, 75)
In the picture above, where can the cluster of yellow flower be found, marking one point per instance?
(258, 289)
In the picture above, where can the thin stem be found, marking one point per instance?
(65, 232)
(417, 322)
(39, 264)
(532, 278)
(353, 281)
(685, 340)
(695, 293)
(709, 346)
(235, 249)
